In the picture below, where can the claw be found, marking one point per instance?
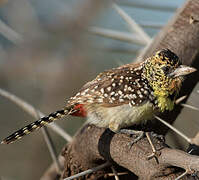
(139, 134)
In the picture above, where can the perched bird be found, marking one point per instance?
(123, 96)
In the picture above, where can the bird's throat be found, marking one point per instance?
(166, 95)
(164, 102)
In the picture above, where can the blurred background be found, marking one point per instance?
(49, 49)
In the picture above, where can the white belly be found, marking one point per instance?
(119, 117)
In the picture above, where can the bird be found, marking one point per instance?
(121, 97)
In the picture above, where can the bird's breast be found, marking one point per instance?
(119, 117)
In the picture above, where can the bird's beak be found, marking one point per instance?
(182, 70)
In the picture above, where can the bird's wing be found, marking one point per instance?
(114, 87)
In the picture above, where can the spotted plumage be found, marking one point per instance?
(123, 96)
(115, 87)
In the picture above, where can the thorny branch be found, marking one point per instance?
(114, 147)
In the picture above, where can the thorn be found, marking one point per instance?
(190, 106)
(180, 99)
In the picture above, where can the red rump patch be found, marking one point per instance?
(81, 111)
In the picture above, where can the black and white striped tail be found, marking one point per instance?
(36, 125)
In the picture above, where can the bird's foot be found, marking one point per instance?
(158, 136)
(139, 134)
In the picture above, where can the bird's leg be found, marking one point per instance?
(139, 134)
(155, 153)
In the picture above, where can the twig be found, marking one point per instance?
(119, 174)
(31, 110)
(143, 51)
(180, 99)
(10, 34)
(52, 173)
(182, 175)
(151, 25)
(50, 145)
(115, 173)
(117, 49)
(60, 131)
(190, 106)
(88, 171)
(118, 35)
(174, 129)
(148, 5)
(51, 148)
(132, 24)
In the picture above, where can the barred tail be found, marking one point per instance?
(36, 125)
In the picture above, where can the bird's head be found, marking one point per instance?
(165, 75)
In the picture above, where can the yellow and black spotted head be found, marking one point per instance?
(159, 66)
(164, 72)
(167, 57)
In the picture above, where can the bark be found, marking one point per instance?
(92, 146)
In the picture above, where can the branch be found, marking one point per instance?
(117, 35)
(132, 24)
(106, 145)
